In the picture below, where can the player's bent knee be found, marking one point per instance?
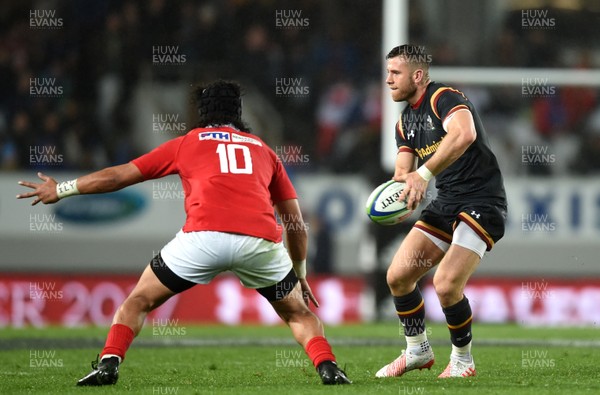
(446, 289)
(292, 309)
(391, 278)
(394, 282)
(138, 302)
(399, 283)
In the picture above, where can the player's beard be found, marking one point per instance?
(403, 94)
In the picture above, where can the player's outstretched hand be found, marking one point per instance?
(307, 293)
(414, 192)
(44, 192)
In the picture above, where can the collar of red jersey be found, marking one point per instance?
(217, 126)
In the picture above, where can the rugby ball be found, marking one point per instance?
(383, 206)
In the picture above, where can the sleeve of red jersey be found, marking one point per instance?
(401, 142)
(281, 187)
(161, 161)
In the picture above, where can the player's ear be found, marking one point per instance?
(418, 75)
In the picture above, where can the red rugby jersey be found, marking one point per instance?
(231, 180)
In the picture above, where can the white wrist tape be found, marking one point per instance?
(424, 172)
(67, 188)
(300, 268)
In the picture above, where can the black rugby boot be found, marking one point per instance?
(331, 374)
(105, 372)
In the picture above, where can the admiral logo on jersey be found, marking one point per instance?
(429, 149)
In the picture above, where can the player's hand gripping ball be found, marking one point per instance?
(383, 206)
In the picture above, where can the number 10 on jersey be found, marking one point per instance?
(228, 158)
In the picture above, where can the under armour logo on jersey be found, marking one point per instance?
(411, 134)
(475, 214)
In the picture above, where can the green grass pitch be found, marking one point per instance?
(262, 360)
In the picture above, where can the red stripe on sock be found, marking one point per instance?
(319, 350)
(118, 340)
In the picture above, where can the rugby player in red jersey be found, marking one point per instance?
(233, 183)
(439, 134)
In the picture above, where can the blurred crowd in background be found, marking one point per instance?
(102, 51)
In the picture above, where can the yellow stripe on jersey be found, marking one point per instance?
(434, 98)
(436, 95)
(400, 130)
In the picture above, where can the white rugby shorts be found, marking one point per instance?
(199, 256)
(463, 236)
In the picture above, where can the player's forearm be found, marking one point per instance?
(294, 230)
(296, 240)
(450, 149)
(405, 163)
(461, 133)
(107, 180)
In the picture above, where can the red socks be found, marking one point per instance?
(319, 350)
(120, 337)
(118, 340)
